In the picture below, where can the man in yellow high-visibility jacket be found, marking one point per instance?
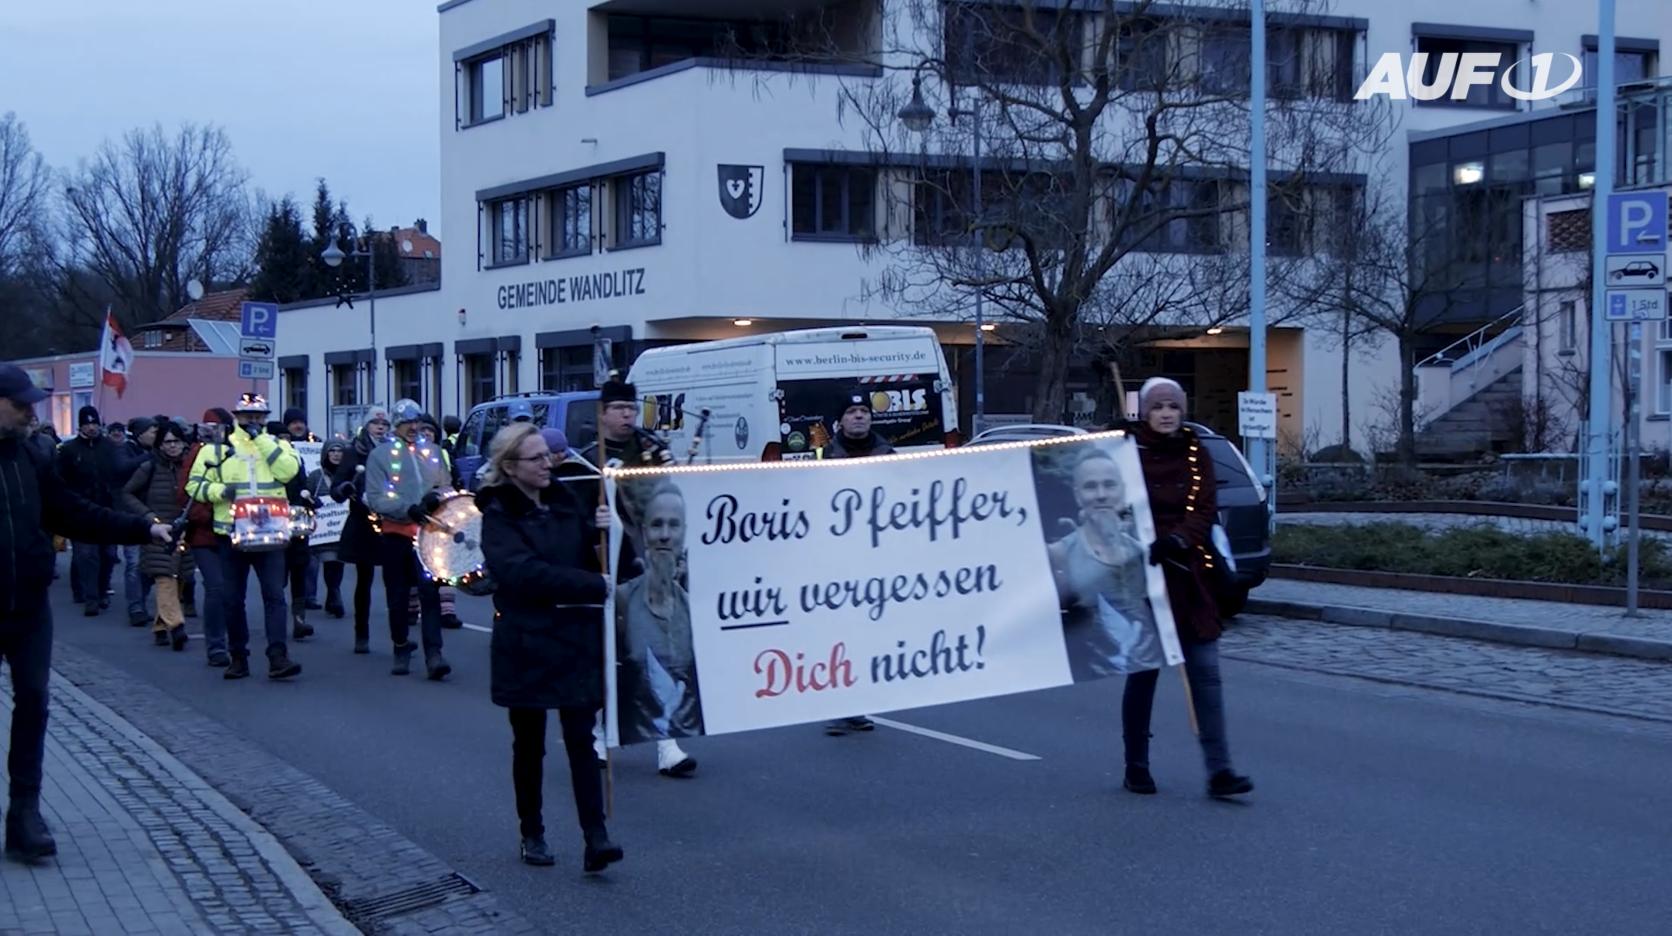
(248, 463)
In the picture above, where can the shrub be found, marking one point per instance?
(1480, 551)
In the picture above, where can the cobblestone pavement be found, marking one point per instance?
(1611, 685)
(1653, 624)
(1442, 521)
(145, 846)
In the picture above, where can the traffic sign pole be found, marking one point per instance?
(1602, 187)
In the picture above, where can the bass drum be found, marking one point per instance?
(450, 545)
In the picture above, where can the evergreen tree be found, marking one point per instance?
(322, 279)
(283, 268)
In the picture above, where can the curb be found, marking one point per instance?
(1518, 634)
(321, 912)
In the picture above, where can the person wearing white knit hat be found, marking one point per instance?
(1178, 475)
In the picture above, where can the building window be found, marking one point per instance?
(508, 220)
(833, 202)
(1300, 62)
(1183, 216)
(1634, 65)
(295, 388)
(479, 380)
(638, 209)
(566, 370)
(1567, 327)
(345, 385)
(571, 219)
(151, 338)
(1569, 231)
(641, 43)
(1140, 55)
(408, 381)
(992, 43)
(1441, 50)
(1663, 394)
(485, 88)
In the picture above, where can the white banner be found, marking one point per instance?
(753, 596)
(329, 516)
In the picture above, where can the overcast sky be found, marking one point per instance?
(344, 89)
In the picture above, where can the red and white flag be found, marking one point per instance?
(116, 353)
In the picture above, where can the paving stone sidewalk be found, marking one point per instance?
(1637, 689)
(145, 845)
(1651, 624)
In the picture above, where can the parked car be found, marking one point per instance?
(1644, 268)
(1243, 511)
(576, 413)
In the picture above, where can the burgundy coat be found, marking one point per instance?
(1169, 476)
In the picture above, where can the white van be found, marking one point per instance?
(777, 396)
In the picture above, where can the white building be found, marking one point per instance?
(585, 145)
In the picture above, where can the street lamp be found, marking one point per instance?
(917, 116)
(334, 257)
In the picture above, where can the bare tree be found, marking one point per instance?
(1113, 181)
(149, 213)
(24, 186)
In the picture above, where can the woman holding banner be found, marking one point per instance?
(1178, 475)
(538, 543)
(318, 486)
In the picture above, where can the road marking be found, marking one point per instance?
(479, 628)
(955, 739)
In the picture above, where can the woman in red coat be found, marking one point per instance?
(1178, 473)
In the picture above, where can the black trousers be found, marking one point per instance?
(528, 754)
(364, 572)
(400, 576)
(296, 557)
(26, 648)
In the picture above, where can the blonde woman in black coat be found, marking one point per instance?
(548, 636)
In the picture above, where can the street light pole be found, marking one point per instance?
(1259, 450)
(1600, 413)
(334, 257)
(974, 115)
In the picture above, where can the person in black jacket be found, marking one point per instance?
(547, 649)
(132, 455)
(35, 503)
(360, 545)
(88, 464)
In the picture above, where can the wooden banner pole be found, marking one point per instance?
(609, 626)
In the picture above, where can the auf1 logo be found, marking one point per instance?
(1457, 73)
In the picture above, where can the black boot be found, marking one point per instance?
(334, 604)
(1138, 780)
(239, 668)
(160, 638)
(177, 637)
(281, 666)
(1229, 783)
(27, 837)
(451, 622)
(535, 852)
(300, 629)
(600, 852)
(403, 660)
(188, 609)
(436, 665)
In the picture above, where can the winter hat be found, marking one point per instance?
(294, 415)
(218, 414)
(450, 423)
(377, 413)
(616, 390)
(138, 425)
(555, 440)
(857, 398)
(88, 416)
(1157, 389)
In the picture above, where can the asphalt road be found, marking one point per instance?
(1379, 809)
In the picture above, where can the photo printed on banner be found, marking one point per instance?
(657, 692)
(1095, 517)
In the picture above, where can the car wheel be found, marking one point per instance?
(1232, 603)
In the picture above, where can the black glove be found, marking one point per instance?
(1171, 546)
(252, 429)
(431, 503)
(343, 491)
(417, 514)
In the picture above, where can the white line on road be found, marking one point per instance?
(955, 739)
(479, 628)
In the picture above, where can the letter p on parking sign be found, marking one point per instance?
(1636, 222)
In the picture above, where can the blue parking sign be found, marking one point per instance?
(260, 320)
(1636, 222)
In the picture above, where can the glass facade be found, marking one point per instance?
(1466, 192)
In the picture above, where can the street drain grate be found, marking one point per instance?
(410, 900)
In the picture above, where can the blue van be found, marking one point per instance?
(575, 413)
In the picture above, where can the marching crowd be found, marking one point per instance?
(197, 508)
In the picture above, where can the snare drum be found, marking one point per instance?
(260, 524)
(302, 523)
(450, 545)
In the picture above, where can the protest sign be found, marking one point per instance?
(751, 596)
(329, 516)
